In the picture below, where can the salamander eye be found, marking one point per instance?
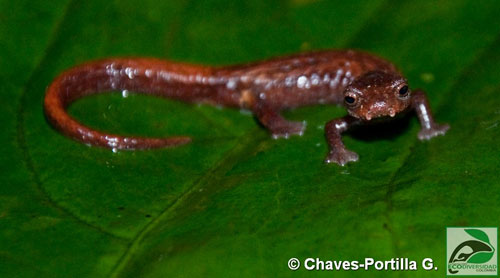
(403, 92)
(351, 100)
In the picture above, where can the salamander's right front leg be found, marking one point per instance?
(333, 131)
(277, 125)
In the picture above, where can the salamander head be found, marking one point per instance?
(377, 94)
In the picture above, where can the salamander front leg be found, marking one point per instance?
(429, 127)
(276, 124)
(333, 131)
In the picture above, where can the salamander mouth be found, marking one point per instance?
(391, 112)
(376, 116)
(383, 118)
(378, 119)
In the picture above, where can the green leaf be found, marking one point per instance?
(236, 202)
(480, 258)
(478, 234)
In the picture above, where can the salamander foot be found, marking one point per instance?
(287, 129)
(428, 133)
(341, 157)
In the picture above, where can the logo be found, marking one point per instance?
(471, 251)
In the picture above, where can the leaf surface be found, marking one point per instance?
(236, 202)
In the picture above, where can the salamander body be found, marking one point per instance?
(368, 86)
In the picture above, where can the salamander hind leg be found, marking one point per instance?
(276, 124)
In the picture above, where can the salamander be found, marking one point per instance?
(368, 86)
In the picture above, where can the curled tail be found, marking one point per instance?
(148, 76)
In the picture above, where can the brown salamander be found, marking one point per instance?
(368, 86)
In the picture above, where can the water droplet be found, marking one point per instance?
(125, 93)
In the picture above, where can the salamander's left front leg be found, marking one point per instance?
(277, 125)
(429, 127)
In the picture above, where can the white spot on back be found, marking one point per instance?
(315, 79)
(231, 84)
(289, 81)
(303, 82)
(129, 72)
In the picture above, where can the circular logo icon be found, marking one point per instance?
(293, 264)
